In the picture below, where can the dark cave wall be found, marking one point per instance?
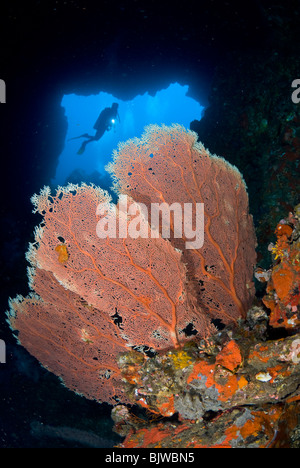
(53, 48)
(254, 124)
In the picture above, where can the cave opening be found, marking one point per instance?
(167, 106)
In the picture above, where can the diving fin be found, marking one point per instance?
(81, 150)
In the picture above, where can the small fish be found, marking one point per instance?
(63, 255)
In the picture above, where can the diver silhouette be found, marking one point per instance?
(104, 123)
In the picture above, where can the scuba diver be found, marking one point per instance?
(105, 122)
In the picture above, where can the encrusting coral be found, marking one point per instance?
(239, 388)
(283, 288)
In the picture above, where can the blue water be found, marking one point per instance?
(171, 105)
